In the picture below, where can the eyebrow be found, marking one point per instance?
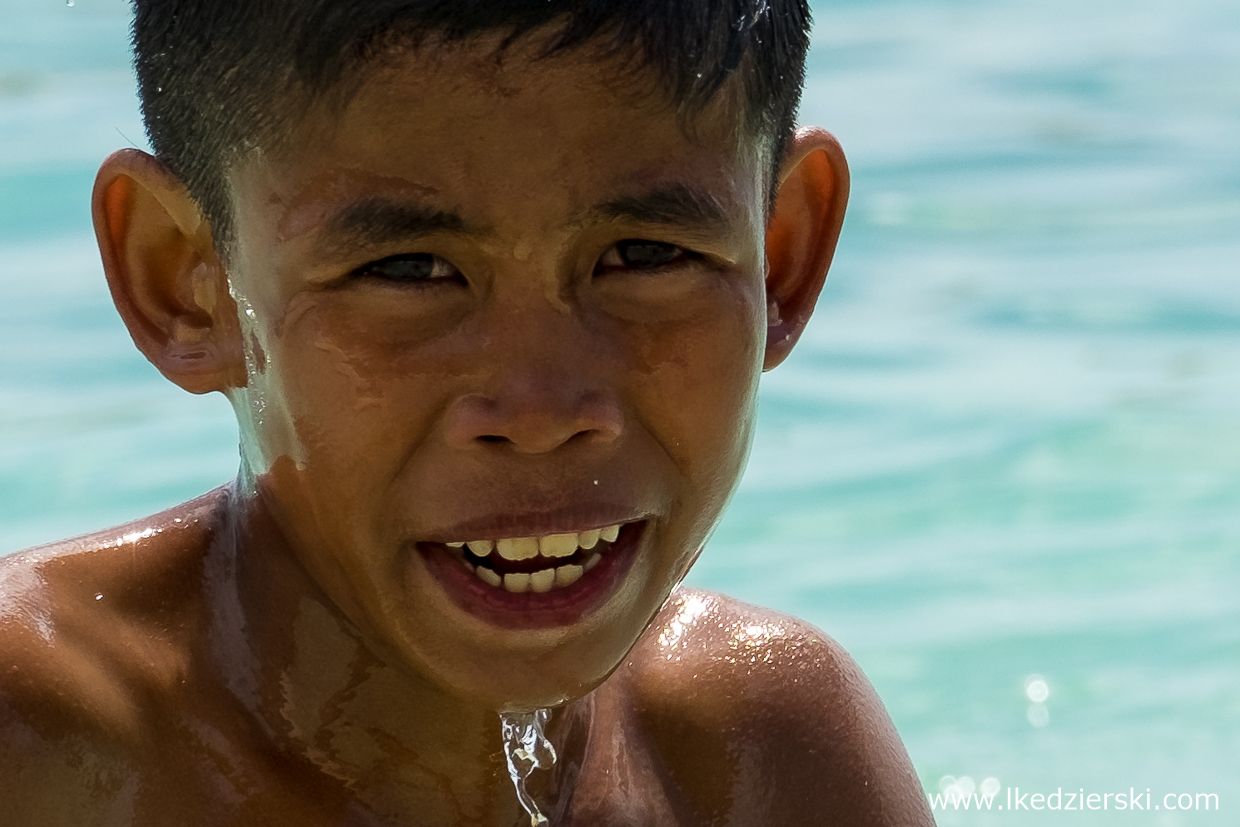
(377, 220)
(679, 204)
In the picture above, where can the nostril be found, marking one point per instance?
(583, 435)
(530, 422)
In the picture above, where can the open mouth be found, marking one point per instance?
(536, 564)
(535, 581)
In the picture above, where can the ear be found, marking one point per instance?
(165, 277)
(801, 236)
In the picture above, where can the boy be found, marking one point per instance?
(489, 286)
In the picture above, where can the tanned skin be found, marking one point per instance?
(289, 649)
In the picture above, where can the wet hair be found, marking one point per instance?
(218, 78)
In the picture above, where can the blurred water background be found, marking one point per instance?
(1003, 467)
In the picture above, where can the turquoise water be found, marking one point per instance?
(1008, 447)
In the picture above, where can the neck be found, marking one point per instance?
(337, 704)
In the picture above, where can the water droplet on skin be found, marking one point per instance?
(527, 749)
(100, 595)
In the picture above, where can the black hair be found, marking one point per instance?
(216, 77)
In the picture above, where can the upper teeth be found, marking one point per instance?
(552, 545)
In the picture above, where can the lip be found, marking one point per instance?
(539, 524)
(533, 610)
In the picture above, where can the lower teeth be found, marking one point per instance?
(541, 581)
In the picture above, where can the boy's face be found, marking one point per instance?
(513, 365)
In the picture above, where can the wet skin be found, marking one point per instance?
(483, 299)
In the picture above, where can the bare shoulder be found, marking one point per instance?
(792, 731)
(79, 615)
(92, 631)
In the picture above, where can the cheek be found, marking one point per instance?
(333, 397)
(700, 385)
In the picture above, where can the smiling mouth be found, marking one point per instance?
(535, 564)
(535, 581)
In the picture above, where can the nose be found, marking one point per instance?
(541, 389)
(534, 417)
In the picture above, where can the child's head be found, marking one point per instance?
(473, 299)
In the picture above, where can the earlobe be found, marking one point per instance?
(166, 280)
(801, 236)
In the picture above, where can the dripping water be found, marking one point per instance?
(527, 749)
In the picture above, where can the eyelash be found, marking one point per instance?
(662, 255)
(441, 270)
(679, 256)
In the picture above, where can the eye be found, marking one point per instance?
(638, 254)
(409, 268)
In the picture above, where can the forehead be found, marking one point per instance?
(502, 133)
